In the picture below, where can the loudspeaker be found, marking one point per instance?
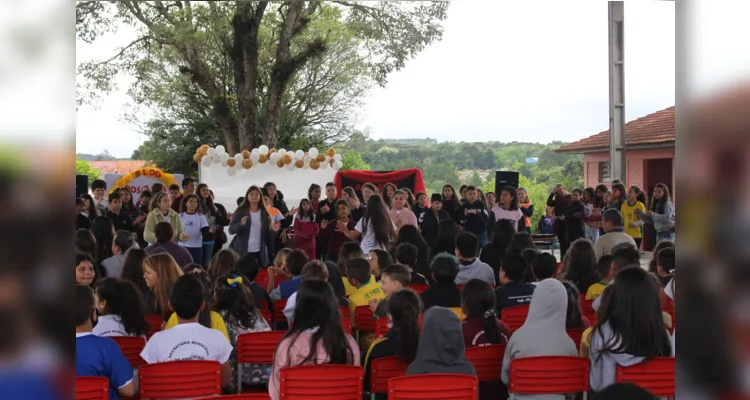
(82, 185)
(503, 179)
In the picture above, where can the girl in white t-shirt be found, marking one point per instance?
(508, 208)
(195, 225)
(376, 228)
(121, 309)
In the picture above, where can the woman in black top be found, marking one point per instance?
(451, 202)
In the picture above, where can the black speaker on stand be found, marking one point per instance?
(505, 178)
(82, 185)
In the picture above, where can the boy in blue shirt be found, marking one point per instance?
(97, 355)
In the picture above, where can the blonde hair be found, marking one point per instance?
(280, 259)
(167, 271)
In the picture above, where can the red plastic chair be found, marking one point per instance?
(278, 311)
(363, 320)
(266, 315)
(487, 360)
(460, 287)
(262, 275)
(256, 348)
(656, 375)
(576, 335)
(131, 347)
(345, 311)
(347, 324)
(154, 322)
(321, 382)
(418, 287)
(180, 379)
(434, 386)
(247, 396)
(514, 316)
(381, 327)
(383, 369)
(588, 311)
(668, 307)
(92, 388)
(549, 375)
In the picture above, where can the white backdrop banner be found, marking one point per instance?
(136, 185)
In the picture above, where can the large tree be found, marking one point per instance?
(262, 72)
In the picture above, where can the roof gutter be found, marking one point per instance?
(606, 149)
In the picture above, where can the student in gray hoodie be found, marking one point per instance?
(630, 328)
(543, 334)
(470, 267)
(441, 348)
(122, 242)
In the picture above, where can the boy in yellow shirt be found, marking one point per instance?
(631, 218)
(604, 265)
(358, 271)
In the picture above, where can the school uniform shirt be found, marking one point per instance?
(217, 323)
(369, 242)
(82, 222)
(514, 293)
(305, 231)
(192, 225)
(474, 269)
(417, 278)
(382, 347)
(113, 265)
(101, 356)
(120, 221)
(629, 216)
(596, 290)
(473, 329)
(369, 291)
(473, 217)
(191, 341)
(109, 325)
(441, 294)
(349, 289)
(514, 216)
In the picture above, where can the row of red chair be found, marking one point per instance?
(532, 375)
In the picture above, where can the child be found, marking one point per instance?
(120, 220)
(624, 257)
(527, 209)
(279, 264)
(295, 261)
(431, 221)
(99, 356)
(400, 213)
(471, 267)
(99, 190)
(508, 209)
(379, 259)
(207, 317)
(619, 196)
(443, 292)
(574, 215)
(481, 326)
(593, 217)
(189, 340)
(450, 202)
(473, 216)
(660, 213)
(394, 277)
(604, 266)
(441, 348)
(358, 272)
(248, 267)
(421, 208)
(631, 217)
(85, 272)
(122, 242)
(546, 224)
(314, 269)
(665, 264)
(174, 194)
(614, 234)
(329, 233)
(195, 225)
(306, 229)
(121, 309)
(514, 291)
(574, 318)
(407, 254)
(544, 267)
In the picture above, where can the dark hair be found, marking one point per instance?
(132, 269)
(204, 317)
(155, 201)
(662, 244)
(478, 301)
(632, 311)
(657, 205)
(206, 205)
(350, 191)
(514, 267)
(186, 198)
(447, 232)
(157, 188)
(295, 261)
(236, 300)
(245, 206)
(317, 307)
(419, 194)
(398, 273)
(124, 301)
(384, 193)
(601, 188)
(580, 265)
(467, 244)
(519, 242)
(187, 296)
(470, 188)
(123, 240)
(114, 195)
(501, 237)
(335, 279)
(173, 187)
(621, 188)
(454, 196)
(544, 266)
(462, 189)
(309, 214)
(349, 251)
(530, 255)
(579, 191)
(342, 203)
(410, 234)
(86, 242)
(370, 186)
(592, 195)
(513, 197)
(92, 212)
(377, 217)
(407, 254)
(574, 316)
(98, 184)
(102, 230)
(222, 263)
(614, 216)
(359, 269)
(247, 266)
(84, 304)
(240, 200)
(313, 187)
(604, 265)
(444, 267)
(639, 195)
(163, 232)
(384, 258)
(666, 260)
(626, 256)
(187, 181)
(624, 391)
(404, 307)
(315, 269)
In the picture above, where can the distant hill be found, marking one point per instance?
(104, 156)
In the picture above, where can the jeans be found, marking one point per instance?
(197, 253)
(664, 235)
(208, 251)
(483, 240)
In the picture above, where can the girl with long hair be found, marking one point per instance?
(631, 211)
(410, 234)
(652, 265)
(574, 318)
(132, 270)
(446, 239)
(527, 209)
(481, 327)
(104, 233)
(630, 328)
(559, 200)
(411, 200)
(400, 213)
(160, 271)
(451, 202)
(313, 194)
(317, 335)
(376, 228)
(619, 196)
(306, 228)
(330, 234)
(660, 213)
(600, 190)
(420, 208)
(222, 263)
(593, 219)
(508, 208)
(195, 225)
(121, 309)
(161, 211)
(379, 259)
(234, 302)
(389, 190)
(86, 242)
(253, 229)
(89, 207)
(579, 265)
(215, 219)
(490, 199)
(494, 252)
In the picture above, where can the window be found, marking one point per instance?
(605, 174)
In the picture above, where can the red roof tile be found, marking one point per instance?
(652, 129)
(118, 166)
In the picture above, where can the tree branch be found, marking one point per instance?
(121, 52)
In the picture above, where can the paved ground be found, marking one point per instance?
(646, 257)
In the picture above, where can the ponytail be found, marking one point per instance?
(404, 307)
(124, 300)
(492, 328)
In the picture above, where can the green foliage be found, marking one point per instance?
(352, 160)
(84, 168)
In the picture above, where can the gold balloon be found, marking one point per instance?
(299, 163)
(314, 163)
(331, 152)
(245, 154)
(247, 164)
(197, 158)
(287, 159)
(280, 164)
(203, 149)
(272, 150)
(262, 159)
(231, 162)
(321, 157)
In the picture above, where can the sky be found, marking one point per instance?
(505, 71)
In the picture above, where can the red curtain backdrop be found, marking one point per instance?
(410, 177)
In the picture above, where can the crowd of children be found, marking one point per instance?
(458, 260)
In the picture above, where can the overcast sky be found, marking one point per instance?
(503, 71)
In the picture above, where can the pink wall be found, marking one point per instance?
(635, 160)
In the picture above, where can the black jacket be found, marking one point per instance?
(574, 224)
(442, 294)
(242, 235)
(515, 293)
(420, 212)
(121, 222)
(430, 226)
(474, 223)
(331, 214)
(452, 210)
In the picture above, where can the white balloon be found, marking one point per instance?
(324, 165)
(263, 149)
(238, 158)
(306, 166)
(223, 162)
(215, 159)
(290, 166)
(206, 161)
(337, 165)
(220, 149)
(255, 151)
(313, 152)
(275, 157)
(223, 157)
(282, 152)
(337, 157)
(254, 157)
(306, 159)
(211, 152)
(299, 154)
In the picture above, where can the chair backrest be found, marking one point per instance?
(247, 396)
(180, 379)
(487, 361)
(418, 287)
(434, 386)
(515, 316)
(264, 305)
(668, 307)
(576, 335)
(346, 322)
(258, 347)
(131, 347)
(363, 319)
(381, 327)
(656, 375)
(154, 322)
(321, 382)
(262, 275)
(266, 315)
(588, 311)
(278, 311)
(549, 375)
(92, 388)
(345, 311)
(383, 369)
